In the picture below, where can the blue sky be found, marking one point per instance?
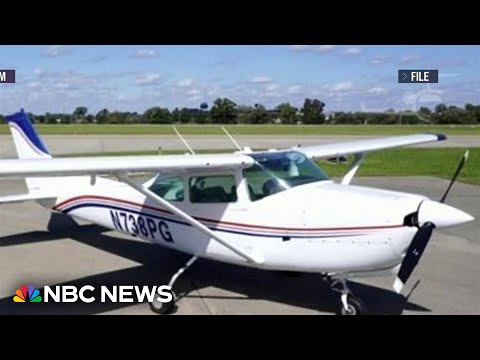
(58, 78)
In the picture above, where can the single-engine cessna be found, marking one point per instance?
(274, 210)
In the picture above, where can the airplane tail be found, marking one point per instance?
(44, 191)
(28, 144)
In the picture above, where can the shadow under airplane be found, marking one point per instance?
(158, 264)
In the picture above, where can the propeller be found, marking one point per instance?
(461, 165)
(422, 237)
(414, 252)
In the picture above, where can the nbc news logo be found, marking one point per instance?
(27, 294)
(114, 294)
(7, 76)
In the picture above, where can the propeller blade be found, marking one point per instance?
(455, 176)
(414, 253)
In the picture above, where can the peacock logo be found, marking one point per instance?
(27, 294)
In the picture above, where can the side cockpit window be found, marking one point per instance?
(213, 189)
(170, 189)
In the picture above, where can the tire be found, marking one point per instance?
(355, 307)
(164, 308)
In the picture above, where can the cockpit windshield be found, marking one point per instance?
(278, 171)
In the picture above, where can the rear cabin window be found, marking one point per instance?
(170, 189)
(213, 189)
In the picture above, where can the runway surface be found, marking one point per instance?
(87, 255)
(67, 144)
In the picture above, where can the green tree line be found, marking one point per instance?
(225, 111)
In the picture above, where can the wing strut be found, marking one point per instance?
(347, 179)
(195, 223)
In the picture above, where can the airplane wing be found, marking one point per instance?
(13, 199)
(364, 146)
(185, 163)
(121, 164)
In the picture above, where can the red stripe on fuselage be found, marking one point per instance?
(218, 222)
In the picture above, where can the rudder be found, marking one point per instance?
(28, 144)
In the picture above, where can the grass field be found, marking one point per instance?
(397, 162)
(440, 163)
(86, 129)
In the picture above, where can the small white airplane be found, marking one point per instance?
(273, 210)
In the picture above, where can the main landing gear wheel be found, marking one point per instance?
(355, 306)
(165, 308)
(168, 308)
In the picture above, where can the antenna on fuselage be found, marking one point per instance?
(184, 141)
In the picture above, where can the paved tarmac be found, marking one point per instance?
(88, 255)
(67, 144)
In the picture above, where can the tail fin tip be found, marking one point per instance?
(23, 126)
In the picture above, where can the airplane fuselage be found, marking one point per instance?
(320, 227)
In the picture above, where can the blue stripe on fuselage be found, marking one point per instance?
(280, 236)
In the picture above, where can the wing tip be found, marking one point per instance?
(441, 137)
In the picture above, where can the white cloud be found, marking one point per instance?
(62, 91)
(377, 90)
(300, 47)
(192, 92)
(185, 83)
(260, 80)
(321, 49)
(38, 71)
(324, 48)
(34, 85)
(145, 53)
(100, 90)
(148, 79)
(447, 75)
(353, 51)
(407, 59)
(343, 86)
(213, 90)
(294, 89)
(71, 80)
(63, 85)
(98, 58)
(55, 51)
(272, 87)
(378, 60)
(195, 98)
(269, 94)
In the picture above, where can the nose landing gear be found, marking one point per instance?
(350, 303)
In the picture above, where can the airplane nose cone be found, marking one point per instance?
(441, 215)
